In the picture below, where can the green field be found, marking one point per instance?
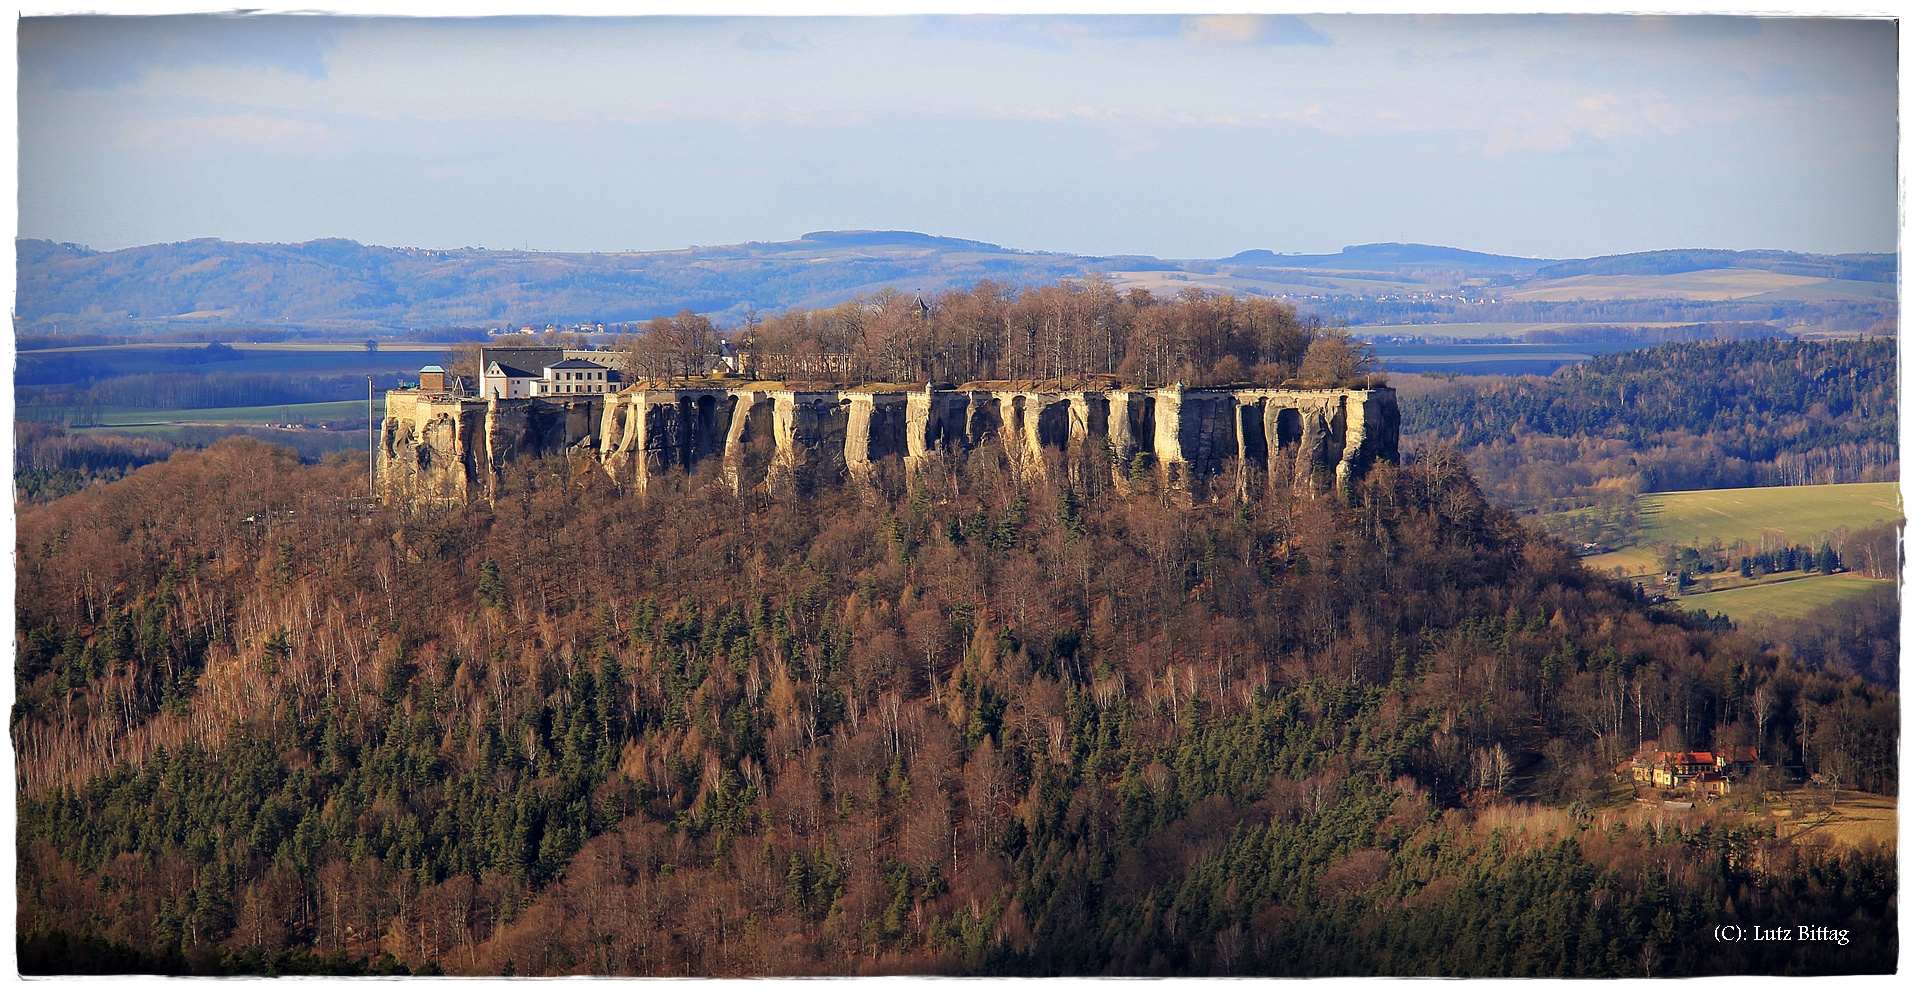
(1802, 514)
(1780, 599)
(1830, 291)
(249, 415)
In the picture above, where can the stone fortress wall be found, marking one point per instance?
(765, 435)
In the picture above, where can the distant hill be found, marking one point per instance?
(1849, 267)
(892, 238)
(1395, 257)
(340, 286)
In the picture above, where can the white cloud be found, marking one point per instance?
(1232, 29)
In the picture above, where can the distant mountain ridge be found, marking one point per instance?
(1852, 267)
(340, 285)
(896, 238)
(1394, 257)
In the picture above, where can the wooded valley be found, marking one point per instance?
(953, 723)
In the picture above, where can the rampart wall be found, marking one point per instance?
(1205, 442)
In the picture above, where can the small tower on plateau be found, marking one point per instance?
(432, 378)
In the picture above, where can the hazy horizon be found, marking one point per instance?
(1021, 248)
(1171, 136)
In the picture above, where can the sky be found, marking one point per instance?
(1175, 136)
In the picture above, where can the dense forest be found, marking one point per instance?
(993, 331)
(946, 723)
(1066, 331)
(50, 462)
(1681, 416)
(1857, 635)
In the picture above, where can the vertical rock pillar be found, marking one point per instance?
(1123, 439)
(920, 437)
(748, 442)
(1171, 464)
(857, 436)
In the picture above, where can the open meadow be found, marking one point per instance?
(1779, 596)
(1278, 283)
(1854, 818)
(1798, 513)
(1804, 514)
(1808, 815)
(1714, 285)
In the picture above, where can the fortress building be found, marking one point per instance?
(443, 448)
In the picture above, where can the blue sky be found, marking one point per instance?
(1178, 136)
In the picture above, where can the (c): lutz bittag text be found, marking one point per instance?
(1803, 932)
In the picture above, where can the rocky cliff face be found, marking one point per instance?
(1204, 443)
(433, 449)
(445, 449)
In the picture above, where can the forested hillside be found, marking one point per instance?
(953, 724)
(1676, 417)
(48, 462)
